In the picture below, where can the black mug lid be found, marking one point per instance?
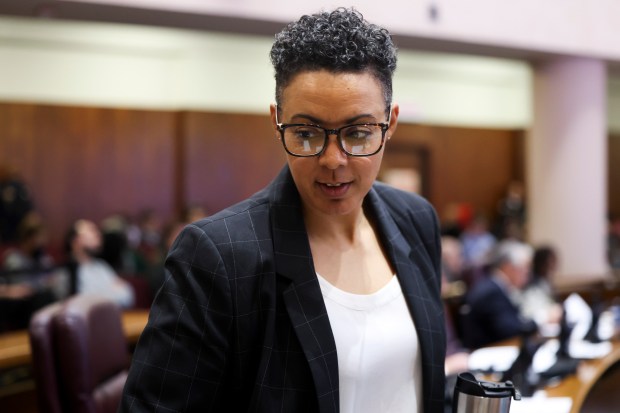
(466, 383)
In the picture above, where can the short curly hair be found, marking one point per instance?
(337, 41)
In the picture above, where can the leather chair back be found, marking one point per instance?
(43, 360)
(80, 356)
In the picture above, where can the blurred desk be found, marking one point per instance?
(14, 349)
(578, 386)
(15, 346)
(134, 322)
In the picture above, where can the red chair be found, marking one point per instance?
(80, 356)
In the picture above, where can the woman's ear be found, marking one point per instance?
(273, 109)
(393, 120)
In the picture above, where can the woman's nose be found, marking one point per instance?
(333, 156)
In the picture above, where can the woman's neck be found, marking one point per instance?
(342, 229)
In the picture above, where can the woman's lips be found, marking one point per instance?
(334, 190)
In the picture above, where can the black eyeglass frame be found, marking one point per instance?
(383, 125)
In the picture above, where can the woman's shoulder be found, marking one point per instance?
(403, 200)
(248, 219)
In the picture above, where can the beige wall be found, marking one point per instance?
(143, 67)
(575, 27)
(115, 65)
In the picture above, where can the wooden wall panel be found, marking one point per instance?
(234, 155)
(228, 157)
(464, 165)
(90, 162)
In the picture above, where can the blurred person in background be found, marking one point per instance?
(29, 279)
(156, 272)
(538, 300)
(491, 311)
(116, 249)
(150, 225)
(30, 249)
(91, 274)
(452, 291)
(511, 212)
(476, 242)
(15, 203)
(452, 258)
(114, 242)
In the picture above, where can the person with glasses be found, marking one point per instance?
(320, 293)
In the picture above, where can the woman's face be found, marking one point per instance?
(334, 183)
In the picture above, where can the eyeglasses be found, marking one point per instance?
(304, 140)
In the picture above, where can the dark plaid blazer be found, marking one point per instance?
(240, 324)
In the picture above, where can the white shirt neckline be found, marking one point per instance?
(361, 302)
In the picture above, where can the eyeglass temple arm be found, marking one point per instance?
(278, 124)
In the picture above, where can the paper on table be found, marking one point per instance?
(587, 350)
(545, 356)
(579, 314)
(541, 404)
(498, 358)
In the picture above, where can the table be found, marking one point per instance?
(577, 386)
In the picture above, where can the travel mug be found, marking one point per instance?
(473, 396)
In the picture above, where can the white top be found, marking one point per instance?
(97, 277)
(379, 365)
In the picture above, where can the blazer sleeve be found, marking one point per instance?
(180, 360)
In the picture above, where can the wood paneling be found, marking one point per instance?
(89, 162)
(228, 157)
(92, 162)
(464, 165)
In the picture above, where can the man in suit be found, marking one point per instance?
(491, 309)
(320, 293)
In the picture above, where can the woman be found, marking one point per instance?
(321, 292)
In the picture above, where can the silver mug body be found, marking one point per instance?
(467, 403)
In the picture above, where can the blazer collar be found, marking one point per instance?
(291, 245)
(303, 298)
(404, 254)
(397, 248)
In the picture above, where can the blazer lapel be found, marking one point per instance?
(303, 297)
(404, 254)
